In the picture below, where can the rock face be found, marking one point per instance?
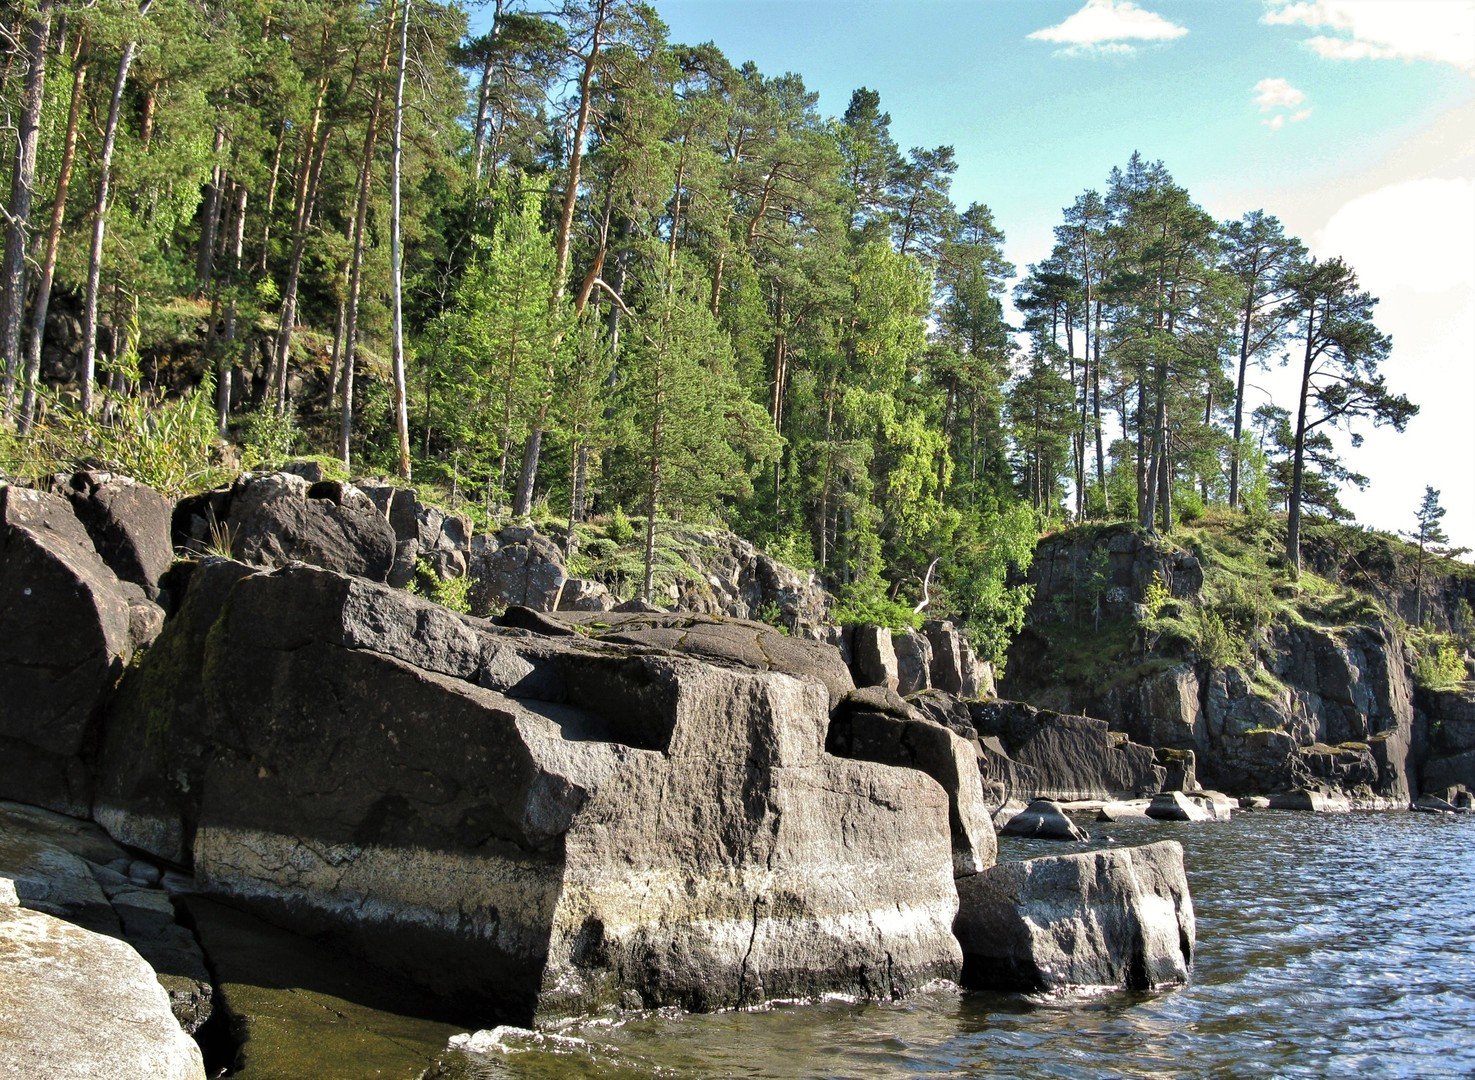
(538, 824)
(875, 725)
(1332, 707)
(128, 523)
(1069, 757)
(1449, 716)
(1121, 918)
(74, 1003)
(68, 627)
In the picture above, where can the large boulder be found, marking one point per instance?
(1043, 819)
(913, 662)
(74, 1003)
(1071, 757)
(70, 869)
(128, 523)
(539, 824)
(754, 645)
(871, 725)
(282, 518)
(68, 628)
(516, 567)
(873, 658)
(1121, 918)
(1175, 806)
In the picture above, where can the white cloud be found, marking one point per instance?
(1280, 98)
(1277, 94)
(1439, 30)
(1415, 236)
(1108, 27)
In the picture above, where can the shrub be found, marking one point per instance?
(1439, 667)
(620, 530)
(169, 444)
(266, 438)
(451, 593)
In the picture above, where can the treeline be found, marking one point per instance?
(634, 275)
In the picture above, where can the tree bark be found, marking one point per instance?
(100, 218)
(1298, 457)
(53, 242)
(396, 258)
(22, 187)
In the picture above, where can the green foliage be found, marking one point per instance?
(867, 608)
(452, 593)
(268, 438)
(1157, 597)
(1439, 665)
(620, 530)
(168, 443)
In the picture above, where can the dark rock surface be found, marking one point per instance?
(128, 523)
(754, 645)
(68, 628)
(1044, 820)
(1121, 918)
(539, 824)
(516, 566)
(1070, 757)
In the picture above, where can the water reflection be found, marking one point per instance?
(1327, 946)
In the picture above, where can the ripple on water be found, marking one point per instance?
(1327, 946)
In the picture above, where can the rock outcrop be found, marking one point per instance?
(1069, 757)
(1121, 918)
(730, 577)
(70, 869)
(282, 518)
(877, 725)
(68, 628)
(1316, 705)
(128, 523)
(545, 823)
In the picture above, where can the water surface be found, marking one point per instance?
(1328, 945)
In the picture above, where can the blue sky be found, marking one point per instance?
(1351, 120)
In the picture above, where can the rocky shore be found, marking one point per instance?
(232, 734)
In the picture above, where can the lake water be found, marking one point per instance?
(1328, 945)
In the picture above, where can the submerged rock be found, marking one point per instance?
(1043, 819)
(1120, 918)
(1175, 806)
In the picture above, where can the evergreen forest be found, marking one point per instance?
(570, 268)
